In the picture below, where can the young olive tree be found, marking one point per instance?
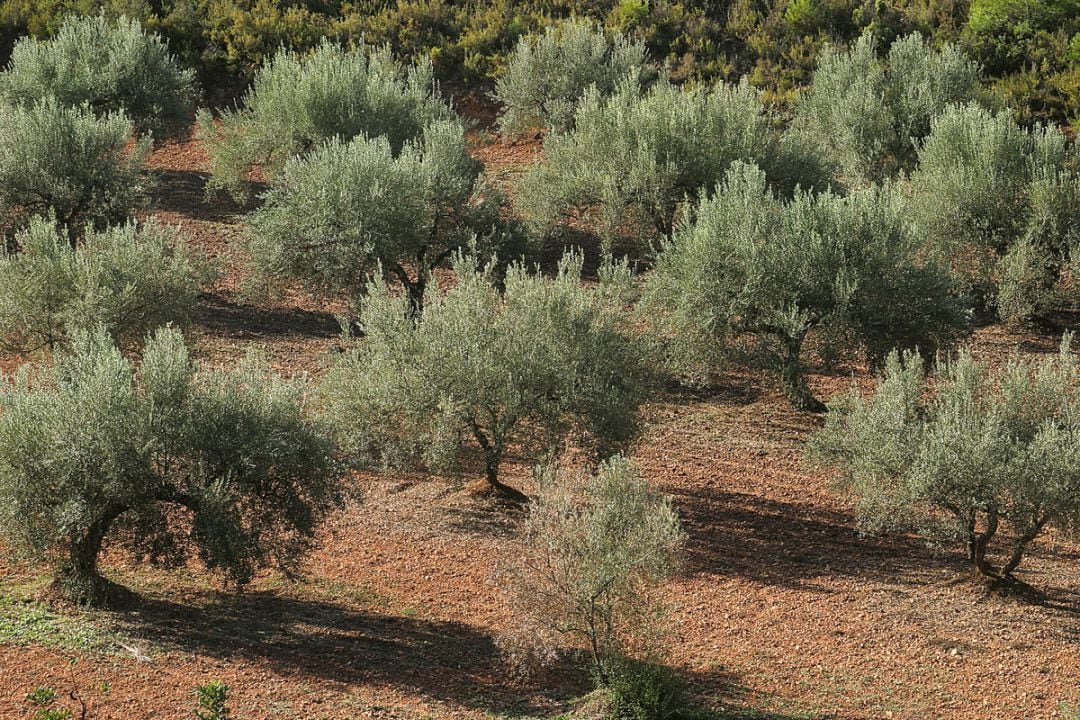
(296, 102)
(522, 368)
(632, 157)
(94, 451)
(596, 550)
(68, 163)
(127, 279)
(547, 74)
(868, 113)
(112, 66)
(1002, 202)
(351, 208)
(750, 263)
(989, 459)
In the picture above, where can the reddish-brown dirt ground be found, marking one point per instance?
(781, 608)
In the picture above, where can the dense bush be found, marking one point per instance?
(633, 157)
(868, 113)
(521, 368)
(92, 444)
(1002, 202)
(596, 550)
(297, 102)
(548, 74)
(127, 279)
(846, 268)
(989, 459)
(111, 66)
(68, 163)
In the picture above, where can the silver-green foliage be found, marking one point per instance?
(749, 262)
(298, 101)
(868, 113)
(641, 152)
(989, 459)
(94, 443)
(596, 550)
(1002, 201)
(547, 74)
(351, 208)
(127, 279)
(633, 157)
(69, 163)
(112, 66)
(523, 367)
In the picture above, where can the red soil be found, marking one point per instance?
(781, 605)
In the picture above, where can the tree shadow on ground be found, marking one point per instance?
(446, 661)
(184, 193)
(221, 316)
(790, 544)
(796, 545)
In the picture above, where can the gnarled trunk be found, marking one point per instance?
(78, 579)
(794, 379)
(979, 542)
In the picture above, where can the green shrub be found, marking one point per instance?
(995, 454)
(643, 690)
(632, 157)
(869, 113)
(297, 102)
(111, 66)
(67, 162)
(844, 268)
(596, 550)
(127, 279)
(351, 208)
(522, 369)
(92, 443)
(984, 186)
(1006, 35)
(548, 74)
(213, 701)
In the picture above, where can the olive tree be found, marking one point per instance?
(752, 264)
(111, 66)
(355, 207)
(989, 459)
(596, 550)
(69, 163)
(868, 113)
(128, 279)
(547, 74)
(633, 157)
(159, 459)
(488, 370)
(298, 101)
(1002, 202)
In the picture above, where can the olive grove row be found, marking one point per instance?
(893, 210)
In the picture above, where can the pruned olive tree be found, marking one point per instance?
(70, 164)
(989, 459)
(353, 208)
(298, 101)
(161, 459)
(597, 549)
(547, 74)
(111, 66)
(847, 269)
(634, 156)
(868, 113)
(489, 370)
(1001, 201)
(127, 279)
